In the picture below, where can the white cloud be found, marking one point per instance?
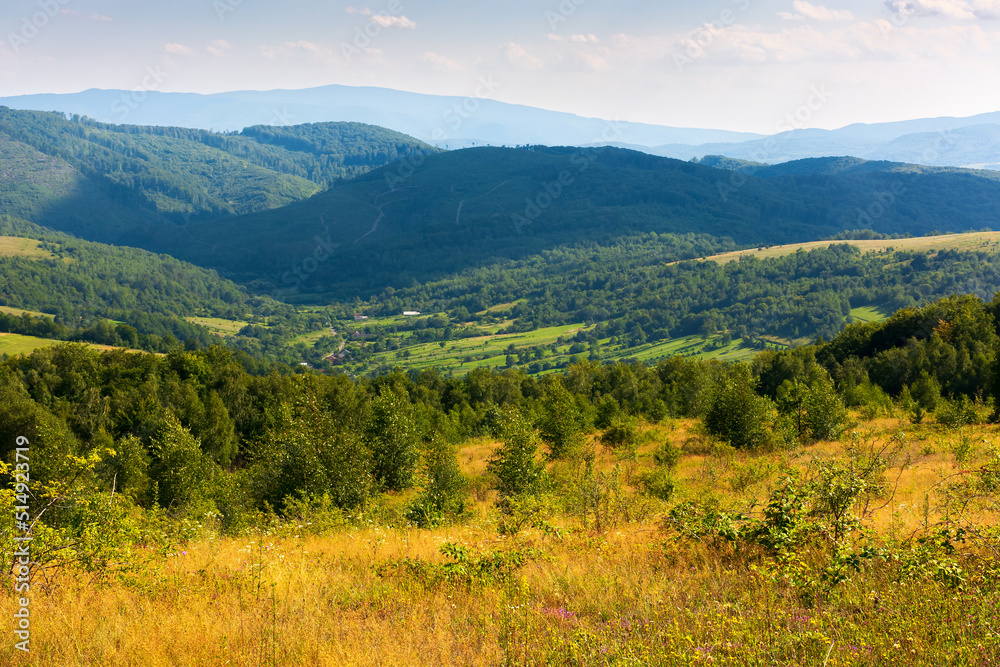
(955, 9)
(807, 10)
(518, 56)
(804, 43)
(364, 11)
(294, 52)
(308, 47)
(177, 49)
(440, 63)
(99, 17)
(393, 22)
(593, 61)
(578, 39)
(218, 47)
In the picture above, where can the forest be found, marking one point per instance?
(194, 432)
(201, 491)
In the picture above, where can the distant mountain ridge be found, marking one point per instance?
(972, 142)
(451, 121)
(459, 122)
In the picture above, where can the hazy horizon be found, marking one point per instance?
(735, 65)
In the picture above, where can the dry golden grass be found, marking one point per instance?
(972, 241)
(625, 596)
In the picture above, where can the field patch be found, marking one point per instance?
(16, 246)
(974, 241)
(217, 325)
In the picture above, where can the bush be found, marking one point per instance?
(963, 412)
(658, 483)
(667, 456)
(816, 409)
(443, 487)
(313, 456)
(608, 411)
(561, 422)
(621, 434)
(870, 399)
(391, 435)
(739, 415)
(514, 464)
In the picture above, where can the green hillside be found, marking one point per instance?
(56, 287)
(101, 181)
(409, 223)
(630, 301)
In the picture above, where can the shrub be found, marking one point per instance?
(443, 487)
(514, 464)
(667, 456)
(739, 415)
(621, 434)
(391, 435)
(963, 412)
(816, 409)
(561, 422)
(658, 483)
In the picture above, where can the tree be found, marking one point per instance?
(312, 456)
(561, 422)
(738, 414)
(816, 408)
(179, 467)
(391, 435)
(443, 486)
(515, 464)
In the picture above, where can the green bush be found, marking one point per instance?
(561, 422)
(738, 415)
(443, 487)
(667, 456)
(391, 436)
(817, 411)
(964, 412)
(622, 435)
(659, 483)
(515, 464)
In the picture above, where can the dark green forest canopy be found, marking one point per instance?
(422, 220)
(635, 289)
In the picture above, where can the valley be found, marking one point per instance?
(452, 398)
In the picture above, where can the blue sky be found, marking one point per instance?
(729, 64)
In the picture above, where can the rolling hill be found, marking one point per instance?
(477, 120)
(409, 223)
(97, 180)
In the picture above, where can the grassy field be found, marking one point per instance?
(973, 241)
(15, 246)
(697, 346)
(611, 583)
(493, 347)
(20, 311)
(219, 326)
(14, 344)
(867, 314)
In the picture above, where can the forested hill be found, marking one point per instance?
(423, 220)
(112, 295)
(97, 181)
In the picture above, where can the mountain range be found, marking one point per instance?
(342, 217)
(476, 120)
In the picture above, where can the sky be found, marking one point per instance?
(746, 65)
